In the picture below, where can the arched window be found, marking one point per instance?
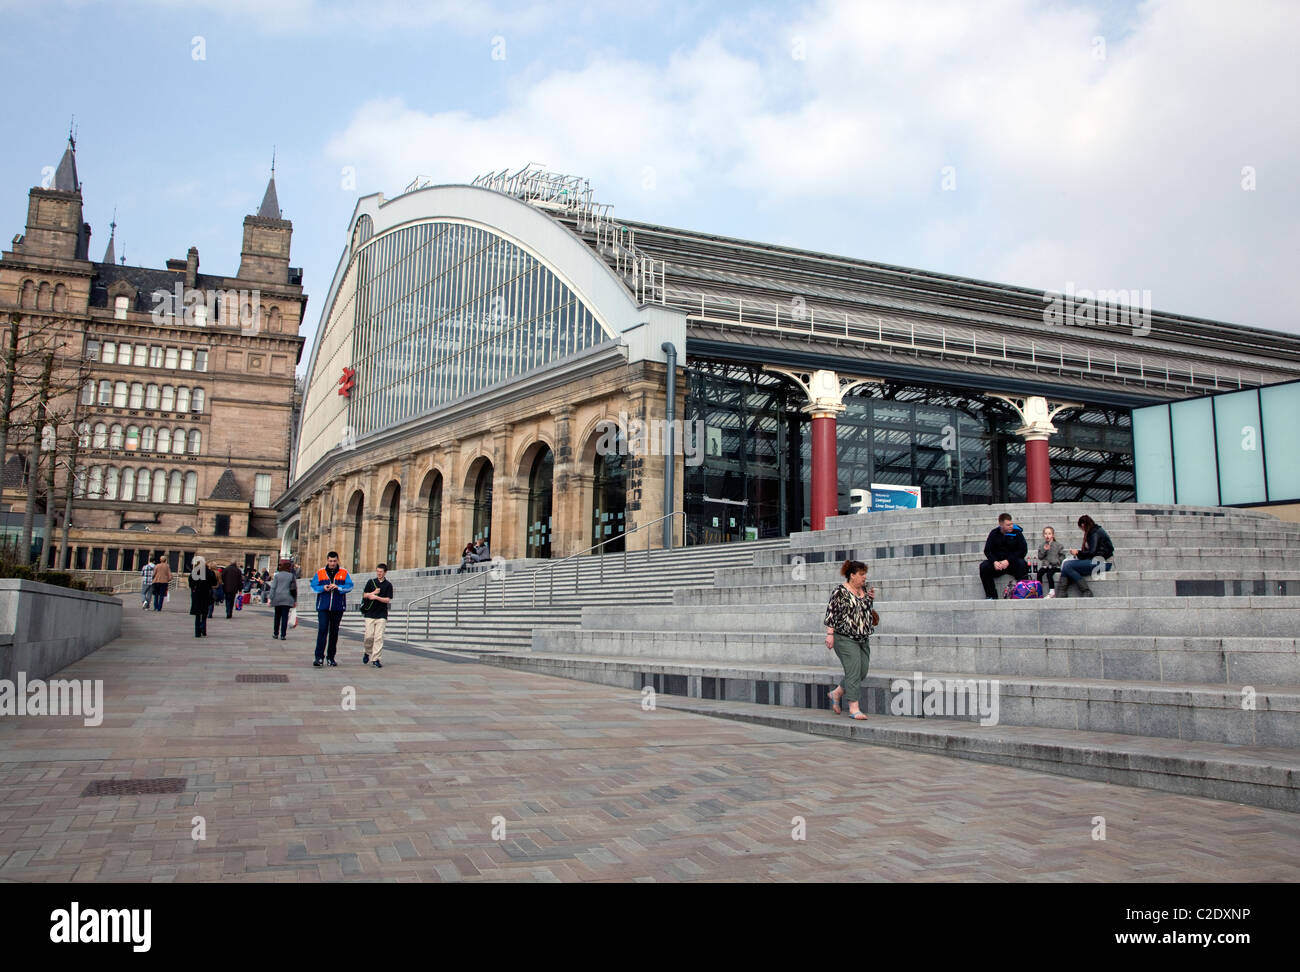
(394, 510)
(88, 393)
(137, 395)
(178, 441)
(159, 486)
(28, 298)
(132, 438)
(142, 486)
(539, 504)
(164, 439)
(115, 437)
(168, 399)
(191, 487)
(101, 436)
(182, 399)
(79, 483)
(609, 498)
(60, 297)
(110, 483)
(47, 438)
(106, 392)
(96, 487)
(147, 440)
(482, 520)
(83, 436)
(119, 395)
(174, 486)
(128, 484)
(151, 397)
(45, 297)
(433, 524)
(197, 401)
(196, 439)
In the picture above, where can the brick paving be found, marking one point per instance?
(579, 783)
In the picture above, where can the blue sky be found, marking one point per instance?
(1033, 143)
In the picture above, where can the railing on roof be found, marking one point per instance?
(936, 340)
(571, 195)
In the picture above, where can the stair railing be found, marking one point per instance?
(550, 599)
(480, 576)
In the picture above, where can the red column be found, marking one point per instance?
(1038, 470)
(825, 469)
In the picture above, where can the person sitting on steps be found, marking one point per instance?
(1096, 547)
(1005, 551)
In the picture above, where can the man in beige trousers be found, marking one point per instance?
(375, 598)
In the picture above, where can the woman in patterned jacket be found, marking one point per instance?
(848, 630)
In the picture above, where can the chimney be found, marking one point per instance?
(191, 267)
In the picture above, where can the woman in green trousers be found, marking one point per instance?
(848, 630)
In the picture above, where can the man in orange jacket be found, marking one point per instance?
(331, 584)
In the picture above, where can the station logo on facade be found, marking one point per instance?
(347, 381)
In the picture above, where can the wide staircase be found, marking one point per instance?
(499, 609)
(1182, 672)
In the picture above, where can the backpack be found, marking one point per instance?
(1023, 590)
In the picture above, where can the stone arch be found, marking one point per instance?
(45, 296)
(60, 297)
(356, 510)
(479, 492)
(431, 504)
(389, 514)
(28, 296)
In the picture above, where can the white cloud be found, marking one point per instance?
(1121, 172)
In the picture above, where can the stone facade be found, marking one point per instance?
(566, 419)
(211, 360)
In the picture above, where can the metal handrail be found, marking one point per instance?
(456, 619)
(550, 598)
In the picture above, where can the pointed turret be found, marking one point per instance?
(109, 256)
(265, 254)
(270, 208)
(65, 176)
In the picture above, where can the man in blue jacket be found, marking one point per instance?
(1004, 553)
(331, 584)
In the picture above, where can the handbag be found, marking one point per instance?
(293, 617)
(875, 618)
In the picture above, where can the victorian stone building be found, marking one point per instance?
(177, 385)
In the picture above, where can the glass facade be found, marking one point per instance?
(444, 310)
(1233, 449)
(755, 477)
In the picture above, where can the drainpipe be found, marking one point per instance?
(670, 465)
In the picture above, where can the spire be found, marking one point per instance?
(270, 208)
(109, 257)
(65, 176)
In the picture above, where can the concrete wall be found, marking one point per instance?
(44, 628)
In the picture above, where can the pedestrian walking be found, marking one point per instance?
(146, 584)
(284, 596)
(375, 598)
(218, 592)
(331, 584)
(231, 583)
(202, 581)
(848, 622)
(162, 578)
(266, 586)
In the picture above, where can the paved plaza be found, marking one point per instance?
(447, 770)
